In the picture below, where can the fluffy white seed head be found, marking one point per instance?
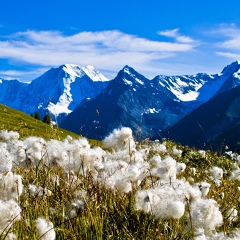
(216, 173)
(120, 139)
(45, 229)
(10, 213)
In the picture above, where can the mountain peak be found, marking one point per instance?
(90, 71)
(231, 68)
(94, 74)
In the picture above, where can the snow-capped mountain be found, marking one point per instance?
(194, 90)
(129, 100)
(147, 106)
(59, 90)
(10, 90)
(213, 125)
(95, 105)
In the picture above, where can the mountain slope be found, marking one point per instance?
(59, 90)
(149, 107)
(206, 126)
(129, 100)
(10, 90)
(25, 125)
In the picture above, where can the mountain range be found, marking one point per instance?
(82, 100)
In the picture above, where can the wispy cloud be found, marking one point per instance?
(230, 43)
(109, 50)
(174, 33)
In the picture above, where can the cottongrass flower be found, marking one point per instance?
(11, 186)
(176, 152)
(205, 216)
(216, 172)
(204, 188)
(10, 213)
(6, 159)
(202, 153)
(232, 214)
(7, 136)
(159, 147)
(76, 207)
(235, 175)
(181, 167)
(163, 202)
(38, 191)
(45, 229)
(35, 150)
(120, 139)
(167, 169)
(155, 161)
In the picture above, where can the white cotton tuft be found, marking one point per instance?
(167, 169)
(235, 175)
(38, 191)
(155, 161)
(6, 159)
(202, 153)
(216, 173)
(205, 214)
(204, 187)
(7, 136)
(175, 209)
(177, 152)
(35, 150)
(232, 214)
(45, 229)
(120, 139)
(180, 167)
(11, 186)
(10, 213)
(75, 208)
(159, 147)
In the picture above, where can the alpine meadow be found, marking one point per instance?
(67, 187)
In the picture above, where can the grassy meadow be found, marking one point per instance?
(118, 189)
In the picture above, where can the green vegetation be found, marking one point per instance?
(25, 125)
(80, 207)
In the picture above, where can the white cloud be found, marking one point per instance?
(174, 33)
(229, 44)
(104, 49)
(109, 51)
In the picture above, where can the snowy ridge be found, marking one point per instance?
(94, 74)
(90, 71)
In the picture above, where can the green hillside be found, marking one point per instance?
(26, 125)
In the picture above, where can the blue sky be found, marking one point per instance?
(154, 36)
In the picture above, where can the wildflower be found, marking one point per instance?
(155, 160)
(205, 215)
(167, 169)
(204, 188)
(38, 191)
(180, 167)
(120, 139)
(232, 214)
(45, 229)
(7, 136)
(216, 173)
(11, 186)
(75, 208)
(202, 153)
(6, 159)
(10, 213)
(177, 152)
